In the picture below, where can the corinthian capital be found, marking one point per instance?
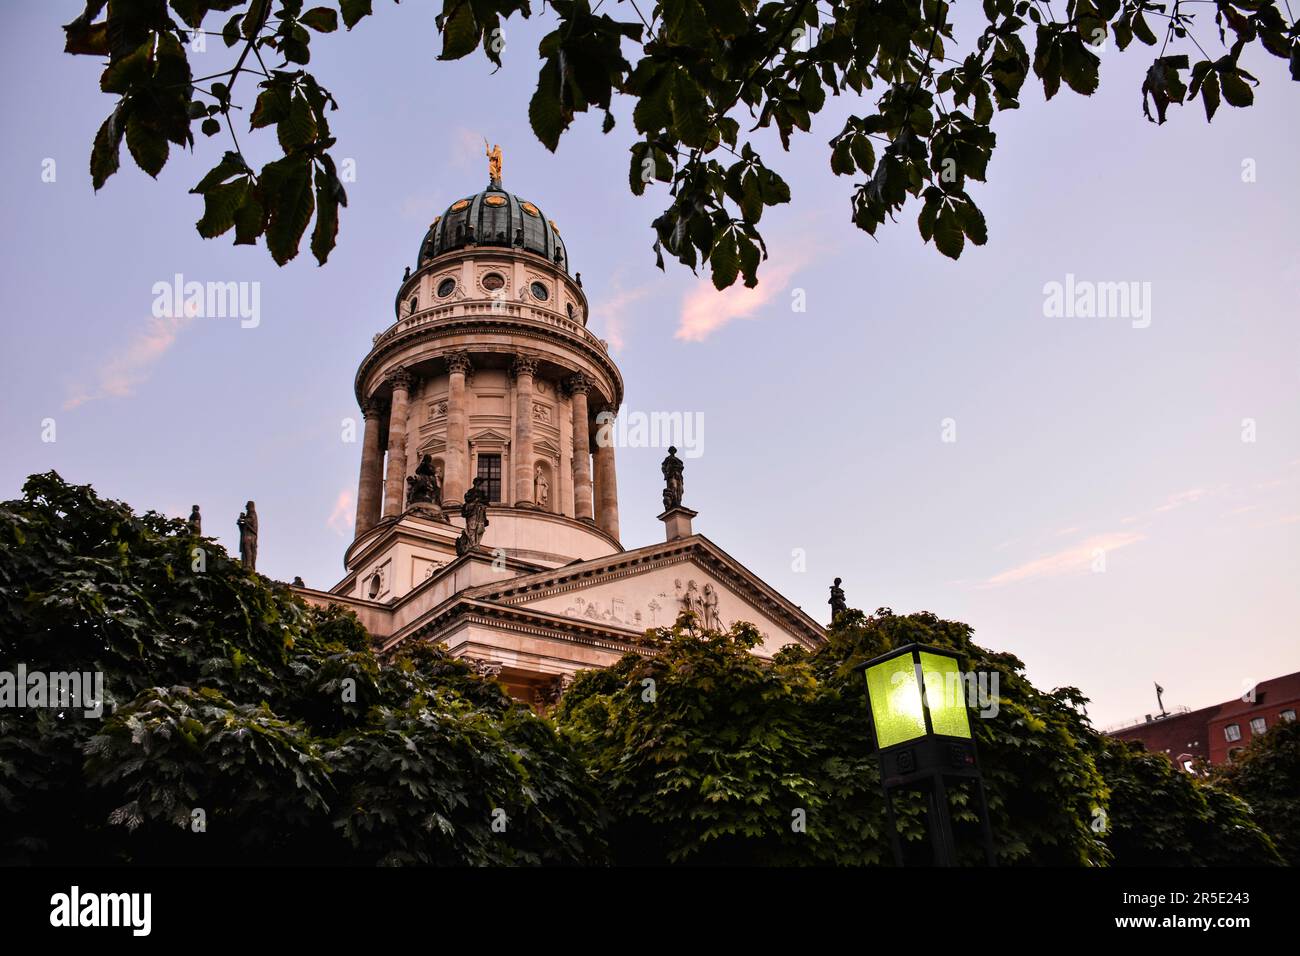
(459, 362)
(400, 378)
(577, 384)
(372, 408)
(524, 365)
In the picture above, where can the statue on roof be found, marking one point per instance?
(837, 602)
(673, 484)
(247, 524)
(493, 154)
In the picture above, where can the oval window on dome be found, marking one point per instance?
(459, 204)
(540, 291)
(446, 287)
(530, 209)
(569, 306)
(495, 200)
(493, 281)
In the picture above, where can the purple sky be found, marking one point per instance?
(823, 428)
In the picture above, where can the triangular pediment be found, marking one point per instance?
(489, 435)
(638, 590)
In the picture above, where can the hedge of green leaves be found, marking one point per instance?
(248, 726)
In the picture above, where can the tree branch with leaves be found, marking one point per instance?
(697, 72)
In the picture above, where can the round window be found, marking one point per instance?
(540, 292)
(569, 306)
(446, 287)
(373, 590)
(493, 281)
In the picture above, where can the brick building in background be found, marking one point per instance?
(1214, 734)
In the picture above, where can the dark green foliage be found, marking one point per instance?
(705, 753)
(1266, 775)
(236, 699)
(275, 721)
(713, 767)
(1161, 816)
(701, 70)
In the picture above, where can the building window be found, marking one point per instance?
(1232, 732)
(540, 292)
(446, 287)
(493, 281)
(1258, 725)
(1287, 715)
(489, 469)
(1233, 752)
(414, 304)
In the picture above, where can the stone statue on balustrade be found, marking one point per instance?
(248, 536)
(424, 490)
(474, 511)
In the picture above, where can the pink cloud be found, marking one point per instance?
(1075, 559)
(128, 367)
(343, 517)
(1182, 498)
(705, 309)
(614, 312)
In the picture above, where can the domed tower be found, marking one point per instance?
(488, 372)
(482, 401)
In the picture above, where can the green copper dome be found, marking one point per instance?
(494, 217)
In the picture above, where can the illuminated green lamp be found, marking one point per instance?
(916, 691)
(917, 697)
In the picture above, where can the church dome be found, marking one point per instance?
(494, 217)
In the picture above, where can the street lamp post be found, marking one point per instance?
(917, 698)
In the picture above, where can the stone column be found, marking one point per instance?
(455, 475)
(606, 485)
(524, 369)
(565, 491)
(395, 483)
(579, 385)
(370, 486)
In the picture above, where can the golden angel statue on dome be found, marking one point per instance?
(493, 154)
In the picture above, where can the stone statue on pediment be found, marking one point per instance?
(709, 603)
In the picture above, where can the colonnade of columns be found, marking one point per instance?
(594, 486)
